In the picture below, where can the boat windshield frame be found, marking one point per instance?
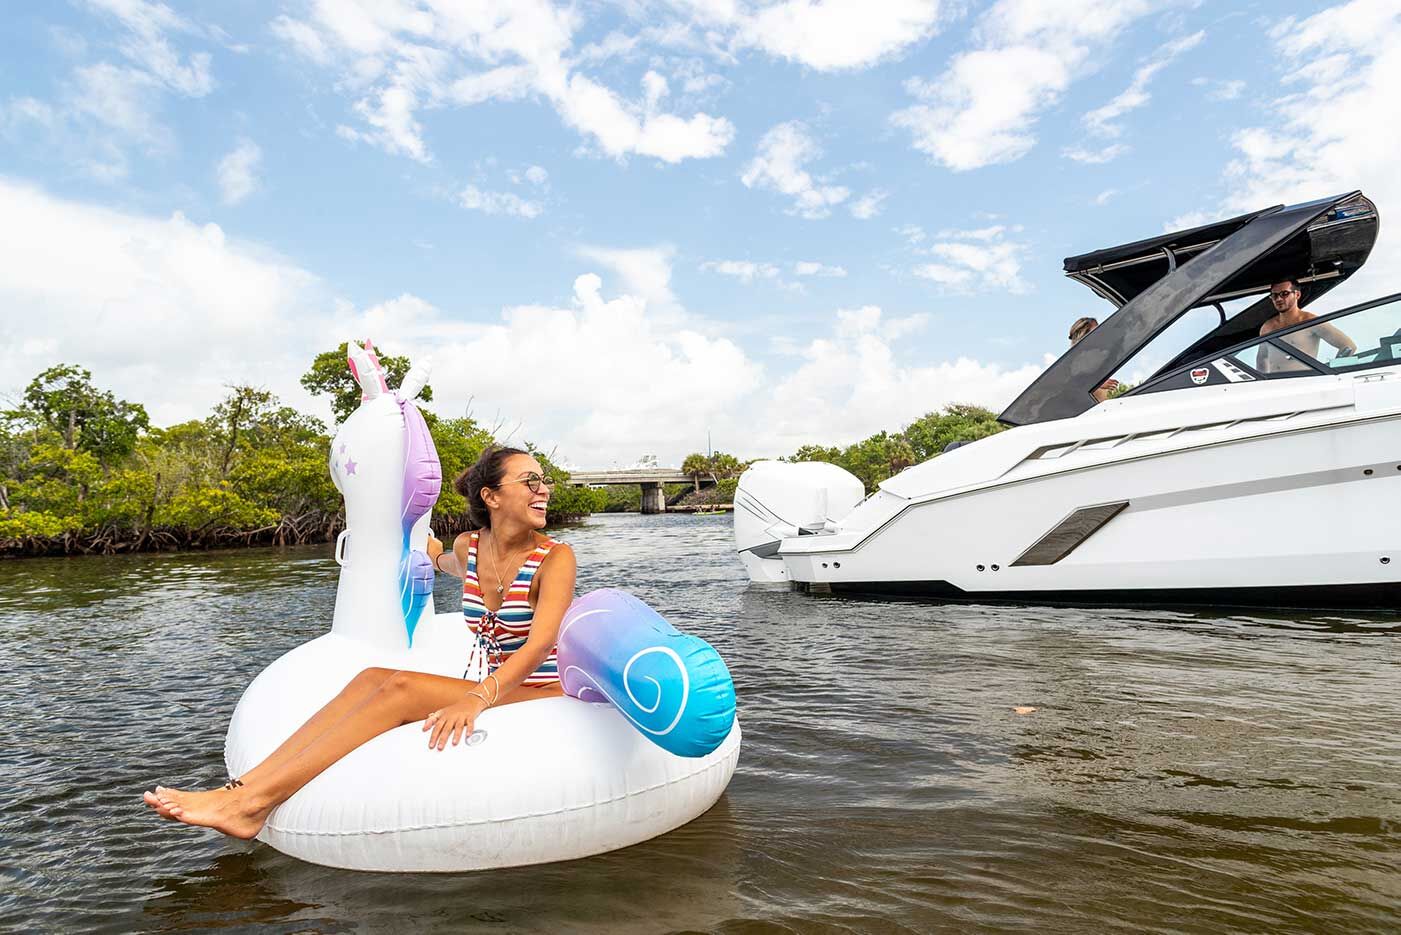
(1314, 366)
(1321, 242)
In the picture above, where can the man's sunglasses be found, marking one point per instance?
(534, 481)
(1283, 295)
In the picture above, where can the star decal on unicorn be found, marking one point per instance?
(349, 466)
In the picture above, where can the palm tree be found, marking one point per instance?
(696, 465)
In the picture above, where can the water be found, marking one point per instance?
(1183, 771)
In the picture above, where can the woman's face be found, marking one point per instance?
(514, 499)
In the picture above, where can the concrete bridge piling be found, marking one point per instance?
(650, 479)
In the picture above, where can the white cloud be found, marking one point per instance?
(1221, 90)
(1094, 157)
(167, 312)
(813, 268)
(869, 205)
(975, 260)
(163, 310)
(400, 58)
(488, 202)
(105, 110)
(536, 175)
(1104, 197)
(913, 233)
(1345, 62)
(1103, 120)
(238, 172)
(146, 44)
(983, 108)
(778, 166)
(852, 383)
(744, 270)
(645, 272)
(831, 35)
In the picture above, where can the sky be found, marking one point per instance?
(623, 229)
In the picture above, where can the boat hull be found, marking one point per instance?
(1299, 507)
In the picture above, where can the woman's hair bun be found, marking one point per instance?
(488, 471)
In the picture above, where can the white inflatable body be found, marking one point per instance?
(539, 781)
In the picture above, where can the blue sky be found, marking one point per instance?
(620, 226)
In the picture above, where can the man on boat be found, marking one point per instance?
(1285, 295)
(1078, 331)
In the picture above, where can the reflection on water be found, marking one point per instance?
(1181, 772)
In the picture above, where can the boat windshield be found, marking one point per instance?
(1359, 338)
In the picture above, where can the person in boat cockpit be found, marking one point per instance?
(1285, 295)
(1082, 327)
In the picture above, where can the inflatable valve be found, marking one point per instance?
(672, 687)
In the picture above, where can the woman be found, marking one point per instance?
(517, 584)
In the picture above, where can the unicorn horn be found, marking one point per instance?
(416, 379)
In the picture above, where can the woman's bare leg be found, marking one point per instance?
(403, 698)
(357, 691)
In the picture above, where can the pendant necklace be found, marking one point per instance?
(495, 570)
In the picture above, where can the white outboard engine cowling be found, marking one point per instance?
(777, 500)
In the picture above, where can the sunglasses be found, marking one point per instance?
(533, 481)
(1283, 295)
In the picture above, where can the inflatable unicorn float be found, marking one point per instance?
(644, 740)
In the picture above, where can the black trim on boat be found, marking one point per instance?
(1155, 282)
(1067, 535)
(1384, 597)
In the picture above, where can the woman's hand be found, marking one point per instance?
(433, 549)
(455, 720)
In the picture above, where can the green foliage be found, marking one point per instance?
(64, 400)
(626, 498)
(205, 507)
(329, 376)
(726, 465)
(459, 443)
(957, 422)
(884, 455)
(725, 490)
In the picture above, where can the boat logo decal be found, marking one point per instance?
(1231, 372)
(1199, 375)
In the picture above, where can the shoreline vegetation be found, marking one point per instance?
(83, 472)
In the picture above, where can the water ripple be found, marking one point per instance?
(1182, 771)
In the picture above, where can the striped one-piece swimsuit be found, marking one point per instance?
(503, 632)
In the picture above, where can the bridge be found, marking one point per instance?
(650, 479)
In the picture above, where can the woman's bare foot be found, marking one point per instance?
(157, 805)
(235, 812)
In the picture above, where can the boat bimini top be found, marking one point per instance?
(1154, 282)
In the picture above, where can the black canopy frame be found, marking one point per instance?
(1154, 282)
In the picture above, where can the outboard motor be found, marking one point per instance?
(777, 500)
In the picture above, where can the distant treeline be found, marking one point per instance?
(82, 471)
(873, 459)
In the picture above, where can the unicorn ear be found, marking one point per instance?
(364, 366)
(416, 379)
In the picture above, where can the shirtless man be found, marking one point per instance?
(1285, 296)
(1078, 331)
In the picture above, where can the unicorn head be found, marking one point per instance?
(385, 466)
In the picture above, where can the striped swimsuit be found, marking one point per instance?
(501, 633)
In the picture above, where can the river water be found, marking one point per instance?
(1182, 771)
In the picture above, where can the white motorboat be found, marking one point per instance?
(1220, 480)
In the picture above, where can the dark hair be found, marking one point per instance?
(489, 471)
(1293, 283)
(1082, 327)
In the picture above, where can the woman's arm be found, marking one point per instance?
(453, 562)
(556, 577)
